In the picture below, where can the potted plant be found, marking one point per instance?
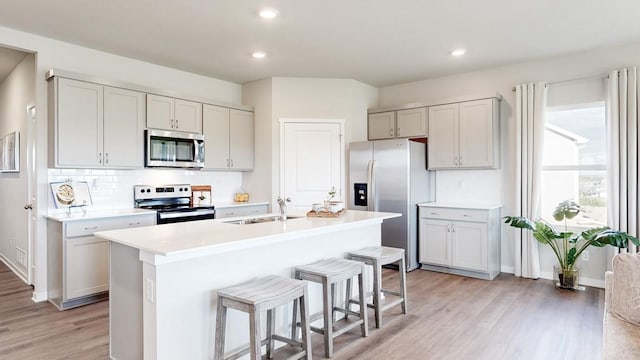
(568, 245)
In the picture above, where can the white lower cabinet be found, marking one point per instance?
(241, 210)
(78, 262)
(460, 240)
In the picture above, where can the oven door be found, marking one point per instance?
(174, 149)
(168, 217)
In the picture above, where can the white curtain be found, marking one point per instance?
(622, 142)
(531, 100)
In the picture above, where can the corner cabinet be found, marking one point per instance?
(78, 262)
(398, 124)
(94, 126)
(229, 138)
(458, 240)
(173, 114)
(464, 135)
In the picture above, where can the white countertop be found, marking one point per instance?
(80, 214)
(460, 205)
(231, 204)
(218, 236)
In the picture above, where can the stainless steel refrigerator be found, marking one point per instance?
(391, 176)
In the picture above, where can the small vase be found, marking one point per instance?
(567, 279)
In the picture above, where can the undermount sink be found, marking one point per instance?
(261, 219)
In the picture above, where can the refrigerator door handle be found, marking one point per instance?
(372, 186)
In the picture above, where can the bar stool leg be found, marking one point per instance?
(403, 284)
(328, 319)
(221, 320)
(294, 319)
(377, 285)
(347, 297)
(254, 336)
(271, 328)
(363, 304)
(304, 323)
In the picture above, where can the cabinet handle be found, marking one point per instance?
(106, 158)
(466, 215)
(100, 158)
(227, 162)
(390, 132)
(176, 123)
(435, 213)
(448, 228)
(455, 160)
(231, 163)
(397, 131)
(460, 160)
(133, 224)
(91, 228)
(453, 228)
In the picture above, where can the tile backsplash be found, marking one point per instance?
(113, 189)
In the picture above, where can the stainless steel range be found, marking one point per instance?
(172, 203)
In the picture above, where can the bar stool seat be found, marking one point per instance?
(254, 297)
(378, 256)
(330, 272)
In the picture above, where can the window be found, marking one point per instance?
(575, 162)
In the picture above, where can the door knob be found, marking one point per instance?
(28, 207)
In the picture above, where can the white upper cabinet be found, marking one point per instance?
(123, 127)
(229, 138)
(411, 122)
(94, 125)
(173, 114)
(464, 135)
(382, 125)
(398, 124)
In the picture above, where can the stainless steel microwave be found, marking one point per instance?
(174, 149)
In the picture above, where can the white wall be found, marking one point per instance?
(56, 54)
(302, 98)
(16, 93)
(498, 185)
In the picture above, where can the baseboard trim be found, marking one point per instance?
(14, 268)
(507, 269)
(597, 283)
(39, 296)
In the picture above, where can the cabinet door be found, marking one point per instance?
(469, 245)
(188, 116)
(442, 151)
(382, 125)
(434, 242)
(215, 127)
(160, 112)
(411, 122)
(241, 140)
(123, 128)
(476, 134)
(244, 210)
(87, 266)
(79, 124)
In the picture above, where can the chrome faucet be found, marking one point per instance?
(283, 208)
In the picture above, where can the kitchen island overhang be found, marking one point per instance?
(164, 279)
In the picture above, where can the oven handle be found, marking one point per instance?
(179, 214)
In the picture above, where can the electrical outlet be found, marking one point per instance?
(585, 255)
(148, 290)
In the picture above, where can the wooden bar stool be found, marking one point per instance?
(330, 272)
(254, 297)
(377, 256)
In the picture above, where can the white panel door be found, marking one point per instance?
(79, 123)
(469, 245)
(160, 112)
(443, 136)
(476, 133)
(123, 128)
(434, 241)
(411, 122)
(215, 128)
(312, 163)
(188, 116)
(382, 125)
(241, 139)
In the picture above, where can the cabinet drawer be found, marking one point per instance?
(245, 210)
(477, 215)
(88, 227)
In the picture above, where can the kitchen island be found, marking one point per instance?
(164, 278)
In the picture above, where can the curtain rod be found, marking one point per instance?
(602, 76)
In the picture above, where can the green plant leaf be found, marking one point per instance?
(571, 256)
(567, 209)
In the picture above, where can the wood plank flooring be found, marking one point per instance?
(450, 317)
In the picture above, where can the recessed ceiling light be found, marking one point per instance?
(258, 54)
(268, 13)
(458, 52)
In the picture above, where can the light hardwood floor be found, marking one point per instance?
(450, 317)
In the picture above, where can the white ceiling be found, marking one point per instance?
(376, 42)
